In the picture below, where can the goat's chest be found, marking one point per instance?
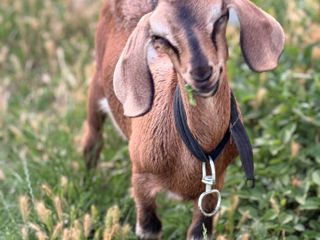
(153, 143)
(156, 148)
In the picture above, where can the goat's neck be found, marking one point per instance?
(209, 119)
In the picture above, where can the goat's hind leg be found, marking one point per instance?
(148, 225)
(92, 141)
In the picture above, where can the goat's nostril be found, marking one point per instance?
(201, 73)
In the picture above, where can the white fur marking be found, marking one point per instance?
(104, 105)
(152, 54)
(105, 108)
(174, 196)
(159, 29)
(215, 11)
(146, 235)
(214, 14)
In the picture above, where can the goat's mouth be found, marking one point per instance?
(207, 91)
(206, 87)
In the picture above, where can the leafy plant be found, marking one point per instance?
(189, 91)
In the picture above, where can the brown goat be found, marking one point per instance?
(144, 49)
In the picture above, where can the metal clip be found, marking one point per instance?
(209, 180)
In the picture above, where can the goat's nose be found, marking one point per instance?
(201, 74)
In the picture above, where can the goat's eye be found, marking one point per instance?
(156, 37)
(161, 40)
(222, 19)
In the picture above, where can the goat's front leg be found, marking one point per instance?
(92, 141)
(199, 221)
(148, 225)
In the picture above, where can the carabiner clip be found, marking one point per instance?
(209, 180)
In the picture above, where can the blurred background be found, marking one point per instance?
(46, 63)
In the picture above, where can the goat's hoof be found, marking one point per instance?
(200, 238)
(144, 234)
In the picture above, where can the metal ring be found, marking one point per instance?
(217, 206)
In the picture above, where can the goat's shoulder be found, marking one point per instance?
(158, 124)
(154, 133)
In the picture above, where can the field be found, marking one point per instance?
(46, 63)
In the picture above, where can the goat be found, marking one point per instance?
(144, 49)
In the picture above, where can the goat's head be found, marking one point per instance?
(192, 34)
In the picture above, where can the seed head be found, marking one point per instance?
(42, 211)
(24, 233)
(47, 190)
(34, 227)
(24, 209)
(41, 236)
(57, 230)
(57, 204)
(87, 225)
(2, 176)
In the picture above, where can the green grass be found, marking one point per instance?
(46, 62)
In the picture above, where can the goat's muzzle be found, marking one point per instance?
(205, 81)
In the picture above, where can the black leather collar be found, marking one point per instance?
(236, 130)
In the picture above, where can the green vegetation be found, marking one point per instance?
(46, 62)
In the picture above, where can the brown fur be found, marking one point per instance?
(160, 158)
(111, 23)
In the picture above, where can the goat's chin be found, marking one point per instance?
(208, 92)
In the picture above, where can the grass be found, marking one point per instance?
(46, 62)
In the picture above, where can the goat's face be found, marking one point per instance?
(192, 34)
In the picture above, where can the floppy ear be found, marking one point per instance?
(132, 80)
(261, 36)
